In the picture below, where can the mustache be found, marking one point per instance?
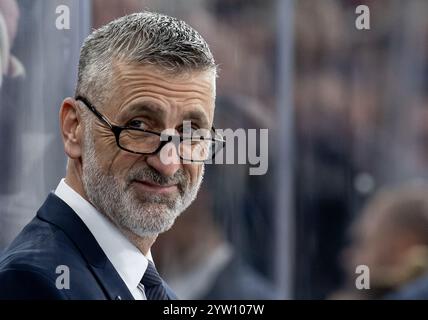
(151, 175)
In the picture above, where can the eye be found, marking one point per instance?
(135, 123)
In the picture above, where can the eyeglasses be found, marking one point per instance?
(197, 148)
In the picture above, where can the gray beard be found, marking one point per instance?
(145, 215)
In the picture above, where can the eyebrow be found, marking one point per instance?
(198, 116)
(147, 108)
(157, 112)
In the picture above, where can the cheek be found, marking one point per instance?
(113, 160)
(123, 162)
(105, 153)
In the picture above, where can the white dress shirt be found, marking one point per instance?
(129, 262)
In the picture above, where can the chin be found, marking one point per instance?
(151, 232)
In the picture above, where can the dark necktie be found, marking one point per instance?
(153, 285)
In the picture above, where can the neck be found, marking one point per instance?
(73, 179)
(143, 244)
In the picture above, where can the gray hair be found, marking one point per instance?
(145, 38)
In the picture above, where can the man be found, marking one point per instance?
(141, 79)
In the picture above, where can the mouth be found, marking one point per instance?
(152, 187)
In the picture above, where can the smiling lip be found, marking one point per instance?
(153, 187)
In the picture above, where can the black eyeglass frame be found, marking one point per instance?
(118, 129)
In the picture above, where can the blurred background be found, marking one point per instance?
(347, 116)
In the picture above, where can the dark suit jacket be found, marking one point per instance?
(58, 237)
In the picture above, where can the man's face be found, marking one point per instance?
(139, 192)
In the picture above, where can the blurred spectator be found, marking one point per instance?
(323, 176)
(39, 55)
(391, 238)
(360, 121)
(11, 76)
(10, 66)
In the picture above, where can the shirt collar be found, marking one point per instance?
(129, 262)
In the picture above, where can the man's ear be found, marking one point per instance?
(71, 126)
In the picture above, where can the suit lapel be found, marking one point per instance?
(110, 280)
(58, 213)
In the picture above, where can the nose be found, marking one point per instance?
(166, 161)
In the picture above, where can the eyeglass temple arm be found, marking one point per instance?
(105, 120)
(94, 111)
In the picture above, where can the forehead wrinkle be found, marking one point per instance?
(168, 91)
(148, 75)
(180, 90)
(143, 98)
(131, 71)
(162, 99)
